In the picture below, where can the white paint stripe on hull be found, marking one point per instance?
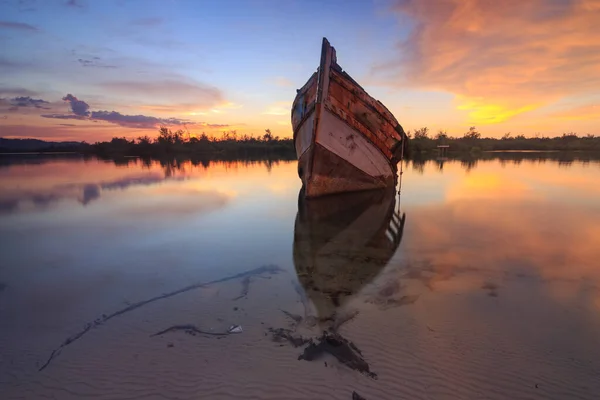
(339, 138)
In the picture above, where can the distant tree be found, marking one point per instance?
(268, 136)
(568, 136)
(441, 136)
(506, 136)
(120, 141)
(144, 140)
(472, 134)
(421, 133)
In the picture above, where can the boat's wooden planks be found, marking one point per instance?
(368, 116)
(304, 102)
(339, 138)
(363, 96)
(335, 107)
(304, 135)
(331, 173)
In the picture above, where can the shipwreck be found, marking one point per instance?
(346, 141)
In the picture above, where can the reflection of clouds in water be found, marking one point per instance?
(84, 193)
(182, 202)
(480, 246)
(90, 192)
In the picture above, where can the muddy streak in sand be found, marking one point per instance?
(267, 269)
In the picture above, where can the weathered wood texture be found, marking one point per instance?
(345, 140)
(304, 137)
(338, 137)
(304, 103)
(331, 174)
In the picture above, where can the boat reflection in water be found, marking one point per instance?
(342, 242)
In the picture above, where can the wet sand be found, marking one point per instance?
(413, 349)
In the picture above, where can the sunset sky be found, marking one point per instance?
(89, 70)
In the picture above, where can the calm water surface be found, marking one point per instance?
(481, 280)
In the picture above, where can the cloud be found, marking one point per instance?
(81, 111)
(18, 26)
(128, 121)
(211, 126)
(279, 108)
(152, 21)
(26, 101)
(585, 112)
(16, 103)
(78, 107)
(169, 91)
(134, 121)
(500, 59)
(75, 3)
(64, 116)
(94, 62)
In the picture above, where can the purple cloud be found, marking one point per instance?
(94, 62)
(75, 3)
(81, 111)
(19, 26)
(64, 116)
(26, 101)
(134, 121)
(78, 107)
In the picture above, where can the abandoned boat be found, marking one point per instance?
(345, 140)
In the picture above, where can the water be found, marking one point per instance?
(481, 280)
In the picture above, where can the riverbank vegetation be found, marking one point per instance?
(231, 145)
(422, 141)
(170, 142)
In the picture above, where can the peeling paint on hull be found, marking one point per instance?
(345, 139)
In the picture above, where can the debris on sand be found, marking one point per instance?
(332, 343)
(356, 396)
(282, 335)
(339, 347)
(190, 330)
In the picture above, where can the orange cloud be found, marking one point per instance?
(501, 59)
(590, 111)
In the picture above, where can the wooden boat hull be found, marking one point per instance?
(345, 140)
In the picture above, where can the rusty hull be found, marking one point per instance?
(332, 90)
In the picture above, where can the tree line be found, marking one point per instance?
(180, 142)
(423, 141)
